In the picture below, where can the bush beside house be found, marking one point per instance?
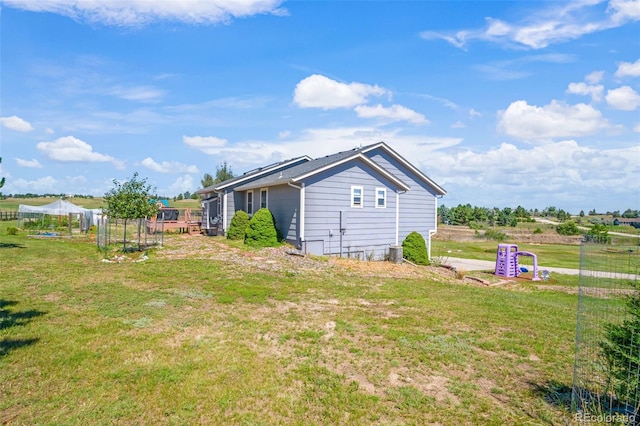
(414, 249)
(261, 231)
(238, 226)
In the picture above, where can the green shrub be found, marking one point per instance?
(238, 226)
(492, 234)
(12, 230)
(414, 249)
(568, 228)
(538, 230)
(262, 230)
(620, 350)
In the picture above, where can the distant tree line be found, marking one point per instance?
(466, 214)
(31, 195)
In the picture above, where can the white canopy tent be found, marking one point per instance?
(59, 208)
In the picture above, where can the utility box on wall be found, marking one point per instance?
(395, 254)
(343, 220)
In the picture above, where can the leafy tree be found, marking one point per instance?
(223, 172)
(414, 249)
(207, 180)
(621, 354)
(186, 195)
(130, 200)
(598, 233)
(262, 230)
(238, 226)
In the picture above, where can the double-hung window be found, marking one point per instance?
(357, 195)
(381, 198)
(249, 203)
(263, 198)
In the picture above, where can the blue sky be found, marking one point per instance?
(501, 103)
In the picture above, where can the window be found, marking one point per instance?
(381, 198)
(263, 198)
(249, 203)
(356, 196)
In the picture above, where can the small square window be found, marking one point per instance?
(356, 196)
(381, 198)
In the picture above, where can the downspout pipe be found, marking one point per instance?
(300, 210)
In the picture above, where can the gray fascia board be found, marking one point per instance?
(361, 157)
(408, 165)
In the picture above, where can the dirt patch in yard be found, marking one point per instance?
(280, 259)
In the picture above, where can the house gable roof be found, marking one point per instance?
(308, 169)
(252, 174)
(424, 178)
(302, 171)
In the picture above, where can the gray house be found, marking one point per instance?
(353, 203)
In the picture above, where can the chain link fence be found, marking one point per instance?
(131, 235)
(607, 355)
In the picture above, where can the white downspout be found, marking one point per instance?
(435, 227)
(224, 212)
(398, 216)
(301, 209)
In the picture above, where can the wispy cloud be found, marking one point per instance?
(34, 164)
(514, 69)
(136, 13)
(169, 166)
(16, 123)
(550, 25)
(391, 114)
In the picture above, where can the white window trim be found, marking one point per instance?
(266, 198)
(353, 188)
(384, 198)
(253, 202)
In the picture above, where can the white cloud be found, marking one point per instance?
(134, 13)
(318, 91)
(555, 120)
(624, 98)
(551, 24)
(458, 125)
(207, 144)
(168, 166)
(139, 93)
(181, 185)
(594, 77)
(35, 164)
(474, 113)
(71, 149)
(16, 123)
(584, 89)
(391, 114)
(636, 128)
(628, 69)
(565, 168)
(43, 185)
(49, 131)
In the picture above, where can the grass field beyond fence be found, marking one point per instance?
(198, 341)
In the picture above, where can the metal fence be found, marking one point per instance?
(607, 354)
(133, 234)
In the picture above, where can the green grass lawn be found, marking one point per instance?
(197, 341)
(558, 255)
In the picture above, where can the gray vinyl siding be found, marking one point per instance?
(369, 229)
(284, 202)
(231, 207)
(418, 205)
